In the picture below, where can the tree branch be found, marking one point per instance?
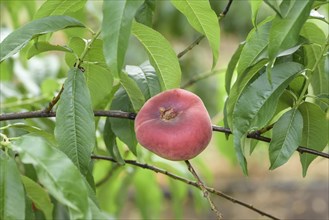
(131, 116)
(189, 182)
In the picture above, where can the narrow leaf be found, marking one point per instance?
(287, 135)
(51, 7)
(203, 19)
(12, 196)
(315, 132)
(123, 128)
(255, 46)
(135, 95)
(161, 54)
(257, 104)
(56, 173)
(231, 67)
(111, 143)
(144, 15)
(39, 196)
(41, 47)
(255, 5)
(274, 5)
(284, 33)
(116, 27)
(20, 37)
(75, 126)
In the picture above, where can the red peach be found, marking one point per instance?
(174, 125)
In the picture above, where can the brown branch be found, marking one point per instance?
(204, 189)
(131, 116)
(189, 182)
(54, 100)
(200, 38)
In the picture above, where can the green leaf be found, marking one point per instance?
(135, 95)
(231, 67)
(146, 79)
(116, 27)
(255, 5)
(287, 135)
(123, 128)
(161, 54)
(148, 199)
(284, 33)
(111, 143)
(145, 12)
(42, 46)
(39, 196)
(56, 173)
(75, 125)
(255, 46)
(315, 132)
(51, 7)
(12, 196)
(254, 107)
(274, 5)
(203, 19)
(20, 37)
(313, 52)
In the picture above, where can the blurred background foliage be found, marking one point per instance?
(130, 192)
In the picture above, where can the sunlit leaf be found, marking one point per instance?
(287, 135)
(255, 5)
(51, 7)
(116, 27)
(231, 67)
(203, 19)
(12, 199)
(56, 173)
(315, 132)
(20, 37)
(75, 125)
(161, 54)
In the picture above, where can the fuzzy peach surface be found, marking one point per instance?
(174, 125)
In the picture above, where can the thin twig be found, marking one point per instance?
(201, 77)
(54, 101)
(204, 189)
(189, 182)
(131, 116)
(108, 175)
(200, 38)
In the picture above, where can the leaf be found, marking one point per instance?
(42, 46)
(75, 125)
(116, 27)
(315, 132)
(313, 52)
(148, 199)
(146, 79)
(12, 196)
(287, 135)
(39, 196)
(254, 107)
(111, 143)
(54, 7)
(231, 67)
(274, 5)
(255, 46)
(284, 32)
(145, 12)
(20, 37)
(135, 95)
(203, 19)
(255, 5)
(56, 173)
(161, 54)
(123, 128)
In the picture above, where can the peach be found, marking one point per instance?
(174, 125)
